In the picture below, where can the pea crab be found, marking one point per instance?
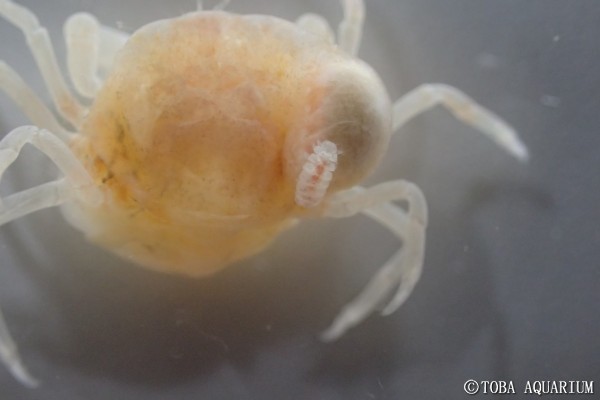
(211, 133)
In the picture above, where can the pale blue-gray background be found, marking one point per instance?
(511, 283)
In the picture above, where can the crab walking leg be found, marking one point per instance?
(221, 5)
(82, 37)
(402, 271)
(111, 40)
(464, 108)
(410, 265)
(77, 183)
(10, 357)
(43, 52)
(351, 27)
(91, 51)
(80, 182)
(317, 25)
(16, 88)
(46, 195)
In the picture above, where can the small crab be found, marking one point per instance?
(211, 133)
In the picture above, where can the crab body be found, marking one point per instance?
(197, 153)
(214, 132)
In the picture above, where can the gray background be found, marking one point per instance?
(510, 288)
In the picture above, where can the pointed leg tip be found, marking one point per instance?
(23, 376)
(519, 150)
(335, 331)
(329, 335)
(387, 311)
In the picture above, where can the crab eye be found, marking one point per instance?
(352, 111)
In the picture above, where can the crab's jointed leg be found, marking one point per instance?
(79, 180)
(91, 51)
(349, 33)
(76, 184)
(33, 107)
(397, 278)
(463, 108)
(350, 29)
(40, 45)
(111, 41)
(316, 24)
(10, 357)
(403, 270)
(82, 37)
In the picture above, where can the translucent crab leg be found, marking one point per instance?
(76, 184)
(351, 27)
(10, 357)
(91, 51)
(43, 52)
(221, 5)
(82, 36)
(46, 195)
(397, 277)
(56, 150)
(316, 24)
(463, 108)
(29, 102)
(111, 41)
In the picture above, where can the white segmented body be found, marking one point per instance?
(316, 174)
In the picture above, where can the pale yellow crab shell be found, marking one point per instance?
(200, 131)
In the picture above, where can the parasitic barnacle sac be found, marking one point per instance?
(210, 133)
